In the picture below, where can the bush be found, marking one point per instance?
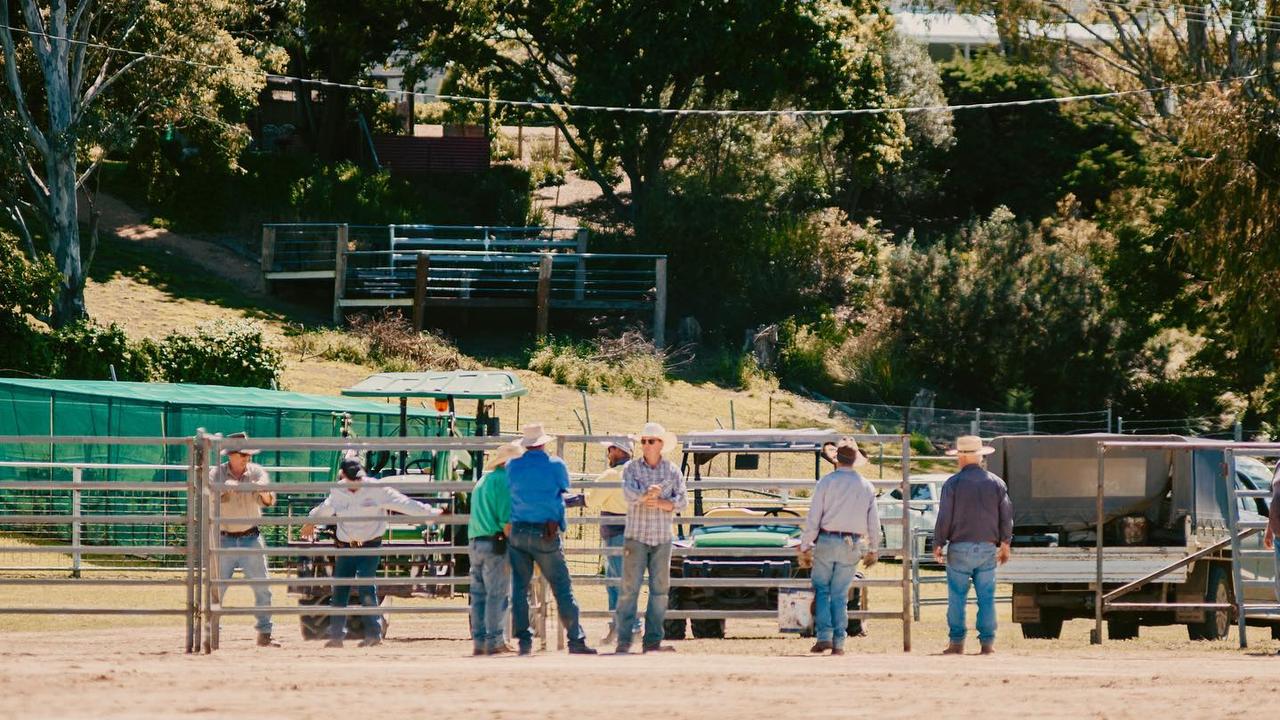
(220, 353)
(628, 364)
(546, 173)
(27, 287)
(87, 351)
(390, 341)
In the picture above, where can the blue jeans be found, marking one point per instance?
(613, 569)
(490, 592)
(253, 563)
(355, 567)
(637, 558)
(527, 547)
(835, 561)
(1276, 548)
(969, 562)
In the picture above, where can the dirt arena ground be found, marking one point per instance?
(425, 668)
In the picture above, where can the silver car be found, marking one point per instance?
(925, 491)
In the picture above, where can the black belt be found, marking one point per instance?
(242, 533)
(358, 543)
(840, 534)
(490, 538)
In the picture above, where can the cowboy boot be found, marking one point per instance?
(820, 647)
(955, 648)
(988, 648)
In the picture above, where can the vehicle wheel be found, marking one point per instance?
(855, 628)
(1216, 624)
(674, 629)
(314, 627)
(1122, 628)
(1275, 632)
(1049, 627)
(708, 629)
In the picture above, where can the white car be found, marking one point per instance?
(925, 491)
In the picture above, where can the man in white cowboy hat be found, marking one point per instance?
(490, 569)
(242, 533)
(655, 492)
(360, 503)
(975, 526)
(611, 502)
(538, 483)
(842, 521)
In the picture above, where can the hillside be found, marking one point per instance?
(151, 281)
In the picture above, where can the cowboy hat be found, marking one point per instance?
(845, 452)
(655, 430)
(534, 436)
(502, 454)
(242, 451)
(970, 445)
(623, 445)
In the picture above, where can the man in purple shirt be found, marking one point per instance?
(975, 526)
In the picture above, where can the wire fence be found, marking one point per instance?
(942, 425)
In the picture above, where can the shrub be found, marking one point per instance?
(546, 173)
(629, 363)
(87, 351)
(27, 287)
(389, 339)
(220, 353)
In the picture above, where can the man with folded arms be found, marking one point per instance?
(367, 504)
(655, 492)
(842, 521)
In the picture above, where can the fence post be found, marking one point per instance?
(1031, 424)
(420, 292)
(268, 253)
(973, 427)
(1238, 432)
(977, 421)
(1120, 425)
(77, 477)
(580, 279)
(544, 295)
(340, 272)
(1108, 416)
(660, 302)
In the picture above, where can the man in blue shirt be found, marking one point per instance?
(538, 483)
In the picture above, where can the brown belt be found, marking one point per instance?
(358, 543)
(240, 533)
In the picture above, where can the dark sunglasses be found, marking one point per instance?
(649, 441)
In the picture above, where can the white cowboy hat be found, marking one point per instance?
(655, 430)
(534, 436)
(625, 446)
(243, 451)
(502, 454)
(970, 445)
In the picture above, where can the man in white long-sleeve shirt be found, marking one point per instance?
(367, 500)
(842, 517)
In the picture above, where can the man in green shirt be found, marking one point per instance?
(490, 568)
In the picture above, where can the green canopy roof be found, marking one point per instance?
(461, 384)
(213, 395)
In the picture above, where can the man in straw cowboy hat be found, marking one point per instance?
(975, 526)
(611, 502)
(655, 491)
(243, 534)
(360, 510)
(490, 569)
(538, 483)
(842, 520)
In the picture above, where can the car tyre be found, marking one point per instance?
(708, 629)
(1049, 627)
(1216, 624)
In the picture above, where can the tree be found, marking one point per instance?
(673, 56)
(1007, 309)
(68, 101)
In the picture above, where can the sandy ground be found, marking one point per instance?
(140, 673)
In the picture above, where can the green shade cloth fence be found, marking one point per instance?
(114, 409)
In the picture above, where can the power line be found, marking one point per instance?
(541, 105)
(1260, 20)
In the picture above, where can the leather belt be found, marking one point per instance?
(241, 533)
(358, 543)
(839, 534)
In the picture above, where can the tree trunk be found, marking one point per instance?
(64, 234)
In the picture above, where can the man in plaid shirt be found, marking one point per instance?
(655, 492)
